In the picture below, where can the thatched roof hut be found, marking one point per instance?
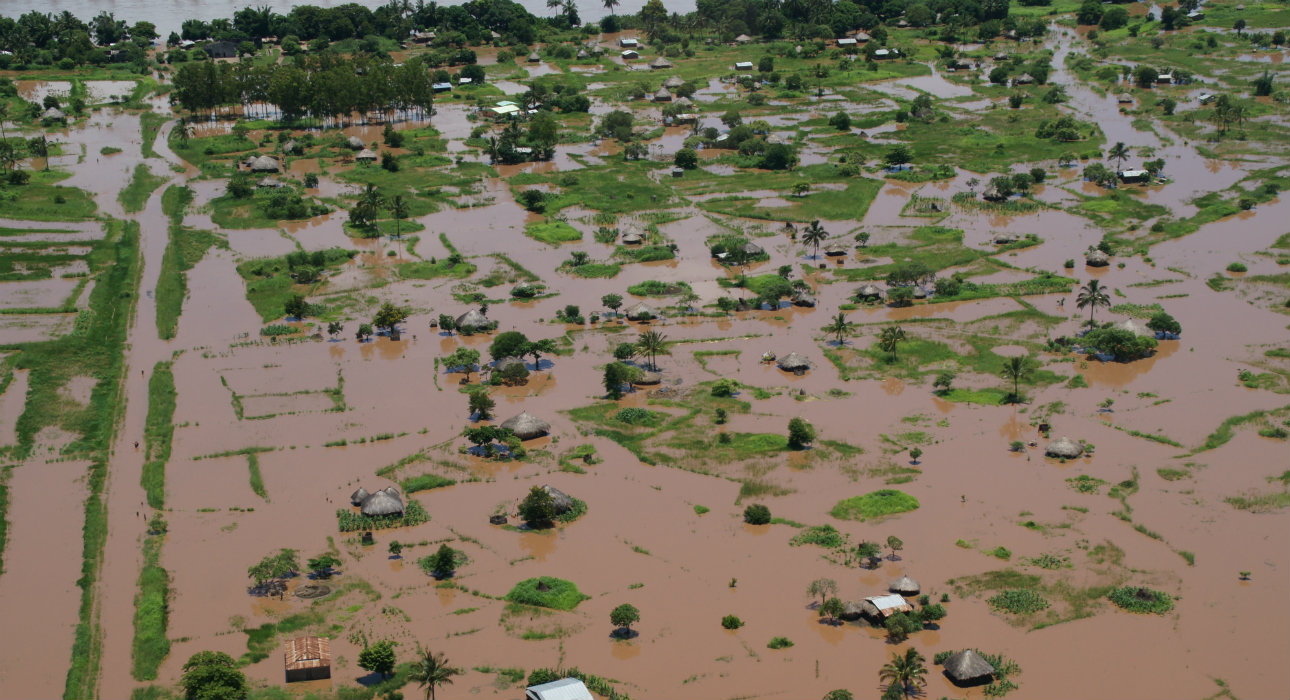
(53, 114)
(270, 183)
(473, 320)
(561, 500)
(366, 154)
(1131, 326)
(641, 312)
(793, 362)
(803, 298)
(524, 290)
(1097, 258)
(359, 496)
(264, 164)
(527, 426)
(355, 143)
(920, 292)
(292, 147)
(662, 95)
(967, 667)
(383, 503)
(1005, 238)
(660, 63)
(743, 39)
(992, 194)
(632, 238)
(502, 363)
(852, 611)
(869, 291)
(1064, 448)
(683, 102)
(307, 658)
(835, 249)
(582, 55)
(1023, 79)
(904, 586)
(673, 82)
(1125, 98)
(534, 57)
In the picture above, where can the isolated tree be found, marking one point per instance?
(908, 671)
(890, 339)
(869, 551)
(757, 514)
(538, 508)
(443, 562)
(295, 306)
(898, 156)
(396, 549)
(481, 404)
(322, 565)
(1118, 153)
(650, 344)
(400, 211)
(623, 617)
(274, 566)
(211, 675)
(839, 327)
(389, 316)
(832, 609)
(1091, 296)
(813, 236)
(335, 328)
(378, 658)
(1162, 322)
(943, 380)
(537, 348)
(38, 146)
(1017, 369)
(895, 544)
(863, 239)
(915, 453)
(686, 158)
(616, 375)
(431, 670)
(612, 302)
(800, 433)
(823, 588)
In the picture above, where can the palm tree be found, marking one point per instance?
(814, 236)
(839, 327)
(890, 337)
(1118, 153)
(430, 670)
(610, 5)
(1017, 368)
(399, 210)
(1092, 295)
(651, 343)
(908, 671)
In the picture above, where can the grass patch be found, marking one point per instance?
(553, 232)
(779, 643)
(877, 504)
(825, 536)
(1138, 599)
(1260, 502)
(159, 430)
(547, 592)
(185, 248)
(135, 195)
(151, 614)
(1018, 602)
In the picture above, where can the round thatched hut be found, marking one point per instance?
(53, 114)
(968, 668)
(561, 500)
(753, 250)
(383, 503)
(904, 586)
(1097, 258)
(1064, 447)
(673, 82)
(835, 249)
(852, 611)
(366, 155)
(660, 63)
(794, 362)
(359, 496)
(535, 57)
(473, 320)
(292, 147)
(641, 312)
(869, 292)
(502, 363)
(527, 426)
(803, 298)
(683, 102)
(663, 95)
(632, 238)
(264, 164)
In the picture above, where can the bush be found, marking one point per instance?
(1122, 345)
(686, 158)
(877, 504)
(547, 592)
(1020, 602)
(757, 514)
(1237, 267)
(779, 643)
(1137, 599)
(731, 622)
(638, 416)
(800, 434)
(725, 388)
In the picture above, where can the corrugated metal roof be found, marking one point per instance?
(307, 652)
(563, 689)
(888, 602)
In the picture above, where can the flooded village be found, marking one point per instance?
(746, 350)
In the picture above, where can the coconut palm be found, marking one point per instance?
(399, 210)
(1119, 152)
(610, 5)
(1017, 368)
(890, 337)
(908, 671)
(431, 670)
(651, 343)
(814, 235)
(1091, 296)
(839, 327)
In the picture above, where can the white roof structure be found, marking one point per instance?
(1133, 173)
(563, 689)
(894, 601)
(630, 54)
(627, 42)
(463, 81)
(744, 65)
(846, 42)
(502, 110)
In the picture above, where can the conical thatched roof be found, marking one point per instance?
(359, 496)
(527, 426)
(992, 194)
(835, 249)
(264, 164)
(967, 665)
(502, 363)
(852, 611)
(582, 54)
(383, 503)
(473, 320)
(641, 312)
(869, 291)
(292, 146)
(660, 62)
(1064, 447)
(1097, 258)
(534, 57)
(743, 39)
(803, 298)
(673, 82)
(904, 586)
(269, 182)
(662, 95)
(562, 501)
(683, 102)
(366, 154)
(793, 362)
(1125, 98)
(648, 379)
(355, 143)
(53, 114)
(753, 250)
(392, 490)
(632, 238)
(919, 292)
(1005, 238)
(1025, 79)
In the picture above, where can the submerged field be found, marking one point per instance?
(197, 372)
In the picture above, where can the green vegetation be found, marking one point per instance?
(878, 504)
(151, 613)
(779, 643)
(135, 195)
(1018, 602)
(184, 250)
(271, 282)
(158, 433)
(1137, 599)
(425, 482)
(413, 514)
(547, 592)
(553, 232)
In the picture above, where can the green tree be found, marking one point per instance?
(623, 617)
(822, 588)
(364, 332)
(915, 453)
(443, 563)
(1091, 296)
(757, 514)
(296, 306)
(889, 339)
(508, 344)
(396, 549)
(431, 670)
(686, 158)
(335, 328)
(900, 626)
(481, 404)
(538, 348)
(800, 433)
(1016, 369)
(895, 544)
(1162, 322)
(38, 146)
(839, 327)
(612, 302)
(213, 675)
(943, 380)
(400, 211)
(322, 565)
(378, 658)
(538, 508)
(813, 236)
(616, 375)
(839, 694)
(463, 357)
(650, 344)
(869, 551)
(898, 156)
(832, 609)
(389, 316)
(275, 566)
(909, 671)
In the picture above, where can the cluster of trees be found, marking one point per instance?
(516, 344)
(283, 564)
(66, 41)
(821, 20)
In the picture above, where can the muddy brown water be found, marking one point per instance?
(641, 541)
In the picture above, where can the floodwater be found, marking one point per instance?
(641, 540)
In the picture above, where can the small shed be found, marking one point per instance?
(582, 55)
(835, 249)
(264, 164)
(885, 53)
(744, 65)
(463, 80)
(632, 238)
(441, 87)
(662, 95)
(1165, 79)
(307, 659)
(563, 689)
(366, 155)
(1134, 175)
(968, 668)
(53, 114)
(847, 43)
(681, 101)
(527, 426)
(292, 147)
(803, 298)
(630, 55)
(535, 57)
(883, 606)
(628, 43)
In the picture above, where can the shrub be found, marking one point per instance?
(638, 416)
(877, 504)
(1237, 267)
(757, 514)
(1020, 602)
(800, 433)
(1138, 599)
(731, 622)
(547, 592)
(779, 643)
(1122, 345)
(823, 535)
(724, 388)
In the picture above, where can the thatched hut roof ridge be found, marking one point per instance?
(527, 426)
(966, 666)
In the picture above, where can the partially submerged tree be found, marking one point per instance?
(839, 327)
(822, 588)
(1016, 369)
(378, 658)
(538, 508)
(212, 675)
(431, 670)
(907, 671)
(623, 617)
(481, 404)
(800, 433)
